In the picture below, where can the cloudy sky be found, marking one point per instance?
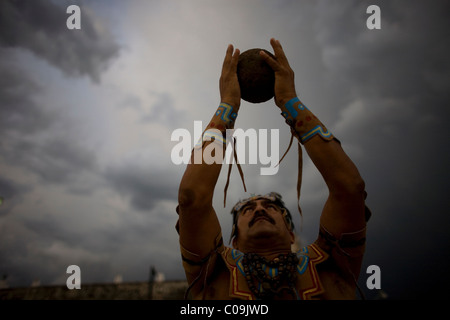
(86, 118)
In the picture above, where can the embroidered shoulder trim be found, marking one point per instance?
(314, 285)
(238, 284)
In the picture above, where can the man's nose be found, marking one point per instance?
(259, 209)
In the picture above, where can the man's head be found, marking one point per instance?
(261, 217)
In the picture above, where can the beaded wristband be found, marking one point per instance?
(326, 135)
(303, 122)
(225, 111)
(220, 128)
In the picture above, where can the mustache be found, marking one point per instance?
(261, 215)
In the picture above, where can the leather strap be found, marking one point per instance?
(241, 173)
(299, 174)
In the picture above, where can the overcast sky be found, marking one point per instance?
(86, 118)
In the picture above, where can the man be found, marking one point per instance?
(261, 264)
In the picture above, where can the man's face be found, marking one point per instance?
(262, 219)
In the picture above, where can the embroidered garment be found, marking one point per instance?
(307, 282)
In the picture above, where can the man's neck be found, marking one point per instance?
(268, 251)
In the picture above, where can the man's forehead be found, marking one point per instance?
(254, 201)
(271, 197)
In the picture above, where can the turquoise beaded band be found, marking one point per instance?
(226, 113)
(290, 113)
(325, 134)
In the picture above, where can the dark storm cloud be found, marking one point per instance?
(19, 113)
(60, 160)
(398, 80)
(40, 26)
(25, 125)
(55, 158)
(404, 60)
(395, 91)
(162, 111)
(31, 130)
(11, 193)
(144, 186)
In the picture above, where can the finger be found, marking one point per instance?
(228, 56)
(270, 61)
(234, 60)
(279, 53)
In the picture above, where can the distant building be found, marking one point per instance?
(156, 290)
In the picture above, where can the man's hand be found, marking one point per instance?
(284, 75)
(230, 92)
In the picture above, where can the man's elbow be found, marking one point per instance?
(192, 198)
(357, 186)
(353, 187)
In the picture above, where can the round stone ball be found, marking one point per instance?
(256, 77)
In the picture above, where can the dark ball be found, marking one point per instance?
(256, 77)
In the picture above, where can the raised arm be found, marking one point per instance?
(344, 209)
(198, 223)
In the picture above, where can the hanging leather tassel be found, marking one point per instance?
(241, 173)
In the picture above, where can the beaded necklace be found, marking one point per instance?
(266, 286)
